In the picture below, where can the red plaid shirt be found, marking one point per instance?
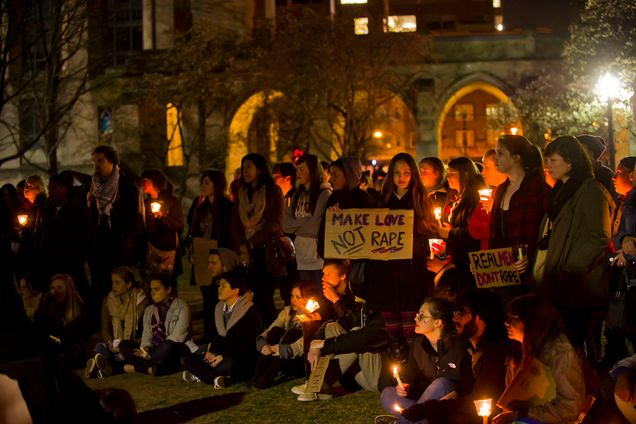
(525, 213)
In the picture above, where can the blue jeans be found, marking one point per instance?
(435, 391)
(115, 360)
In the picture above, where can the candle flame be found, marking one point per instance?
(395, 369)
(22, 219)
(398, 408)
(438, 213)
(485, 192)
(312, 305)
(155, 207)
(484, 407)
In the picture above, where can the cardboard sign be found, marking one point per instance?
(317, 376)
(379, 234)
(533, 385)
(494, 268)
(201, 252)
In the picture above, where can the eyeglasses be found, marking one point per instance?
(460, 314)
(421, 316)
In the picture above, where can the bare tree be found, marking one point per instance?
(43, 75)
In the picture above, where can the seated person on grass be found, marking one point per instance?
(230, 355)
(355, 341)
(166, 324)
(281, 346)
(122, 312)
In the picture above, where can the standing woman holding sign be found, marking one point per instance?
(519, 203)
(397, 288)
(257, 219)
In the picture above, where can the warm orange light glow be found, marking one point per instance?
(155, 207)
(514, 130)
(377, 134)
(484, 407)
(23, 219)
(396, 375)
(312, 305)
(397, 408)
(485, 193)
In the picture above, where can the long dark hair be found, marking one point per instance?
(531, 158)
(218, 180)
(541, 322)
(470, 178)
(315, 180)
(264, 176)
(443, 309)
(421, 203)
(570, 149)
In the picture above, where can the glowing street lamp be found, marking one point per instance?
(607, 89)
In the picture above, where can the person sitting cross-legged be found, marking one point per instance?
(230, 355)
(166, 324)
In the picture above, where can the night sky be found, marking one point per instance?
(554, 14)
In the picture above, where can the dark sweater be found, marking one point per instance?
(425, 364)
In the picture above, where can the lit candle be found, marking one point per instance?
(484, 408)
(312, 305)
(438, 215)
(155, 207)
(431, 243)
(485, 193)
(396, 375)
(22, 220)
(398, 408)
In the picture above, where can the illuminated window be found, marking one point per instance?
(361, 26)
(353, 1)
(174, 136)
(464, 111)
(405, 23)
(464, 138)
(499, 23)
(496, 4)
(492, 111)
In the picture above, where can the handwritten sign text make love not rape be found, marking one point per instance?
(380, 234)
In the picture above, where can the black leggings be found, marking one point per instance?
(164, 358)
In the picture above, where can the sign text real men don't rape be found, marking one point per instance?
(380, 234)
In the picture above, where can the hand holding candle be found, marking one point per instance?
(312, 305)
(396, 375)
(397, 408)
(485, 194)
(155, 207)
(438, 215)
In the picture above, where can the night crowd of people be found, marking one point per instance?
(90, 267)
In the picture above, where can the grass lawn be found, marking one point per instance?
(170, 400)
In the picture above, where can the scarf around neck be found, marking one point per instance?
(251, 211)
(239, 309)
(104, 192)
(124, 313)
(158, 322)
(562, 192)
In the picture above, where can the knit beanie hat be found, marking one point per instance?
(229, 258)
(595, 143)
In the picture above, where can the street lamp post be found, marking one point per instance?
(607, 89)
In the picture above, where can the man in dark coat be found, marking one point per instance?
(117, 219)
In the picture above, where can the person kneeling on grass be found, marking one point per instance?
(166, 324)
(230, 355)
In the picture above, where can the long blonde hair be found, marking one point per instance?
(74, 302)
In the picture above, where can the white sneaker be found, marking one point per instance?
(300, 389)
(310, 397)
(90, 368)
(188, 377)
(221, 382)
(104, 369)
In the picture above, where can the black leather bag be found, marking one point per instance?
(279, 251)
